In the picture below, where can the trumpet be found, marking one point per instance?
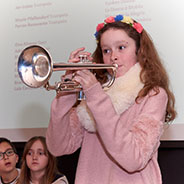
(35, 67)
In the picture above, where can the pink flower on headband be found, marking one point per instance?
(138, 27)
(110, 19)
(99, 27)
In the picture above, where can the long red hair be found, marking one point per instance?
(153, 73)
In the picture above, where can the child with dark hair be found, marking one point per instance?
(8, 160)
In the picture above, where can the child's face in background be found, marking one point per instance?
(8, 163)
(118, 47)
(36, 158)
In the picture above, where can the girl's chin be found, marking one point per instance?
(121, 71)
(120, 74)
(117, 76)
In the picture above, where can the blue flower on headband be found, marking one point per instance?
(118, 18)
(96, 34)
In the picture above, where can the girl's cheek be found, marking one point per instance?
(106, 60)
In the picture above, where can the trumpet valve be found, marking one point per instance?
(84, 59)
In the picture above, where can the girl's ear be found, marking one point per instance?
(17, 158)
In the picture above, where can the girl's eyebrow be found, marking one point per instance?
(122, 41)
(40, 149)
(117, 42)
(36, 149)
(7, 150)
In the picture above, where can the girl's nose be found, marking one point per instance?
(114, 57)
(34, 156)
(5, 156)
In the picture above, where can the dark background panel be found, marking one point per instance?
(170, 158)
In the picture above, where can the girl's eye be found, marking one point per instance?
(10, 152)
(121, 47)
(41, 153)
(105, 51)
(30, 153)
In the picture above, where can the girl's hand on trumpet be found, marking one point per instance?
(85, 78)
(75, 58)
(75, 55)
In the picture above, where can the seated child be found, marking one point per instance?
(38, 166)
(8, 160)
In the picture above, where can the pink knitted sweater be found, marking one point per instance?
(124, 148)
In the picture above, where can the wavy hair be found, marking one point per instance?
(153, 74)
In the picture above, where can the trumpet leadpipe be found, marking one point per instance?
(81, 66)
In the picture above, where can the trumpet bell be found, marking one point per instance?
(34, 66)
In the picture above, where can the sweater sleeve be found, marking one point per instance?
(130, 147)
(64, 133)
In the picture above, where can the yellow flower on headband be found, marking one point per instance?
(127, 20)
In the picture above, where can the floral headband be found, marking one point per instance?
(125, 19)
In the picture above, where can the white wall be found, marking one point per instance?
(63, 25)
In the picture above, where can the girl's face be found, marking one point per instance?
(117, 47)
(8, 163)
(36, 158)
